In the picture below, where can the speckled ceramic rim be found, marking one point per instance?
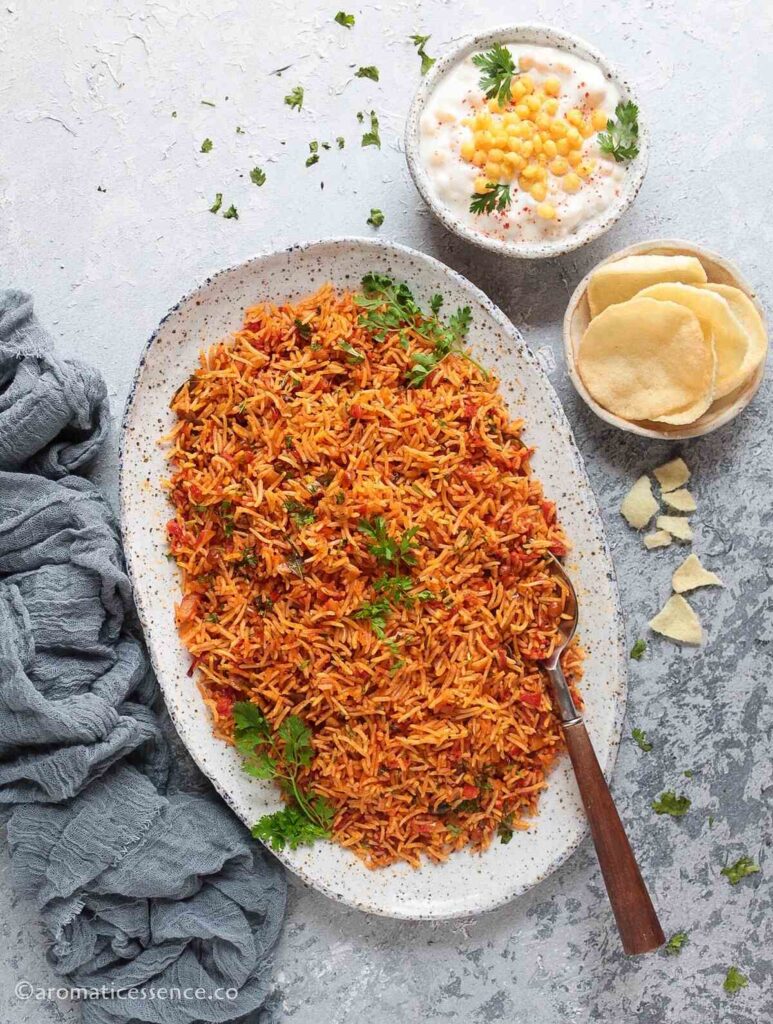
(538, 35)
(560, 424)
(709, 421)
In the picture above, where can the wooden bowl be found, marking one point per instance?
(577, 318)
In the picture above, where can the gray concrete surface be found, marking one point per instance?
(87, 91)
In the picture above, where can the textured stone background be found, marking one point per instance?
(87, 90)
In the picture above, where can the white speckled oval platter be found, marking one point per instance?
(467, 883)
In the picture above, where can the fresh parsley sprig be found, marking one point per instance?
(385, 305)
(280, 756)
(497, 72)
(621, 139)
(369, 71)
(496, 197)
(300, 514)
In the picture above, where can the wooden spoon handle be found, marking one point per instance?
(636, 919)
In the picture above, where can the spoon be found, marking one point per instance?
(635, 915)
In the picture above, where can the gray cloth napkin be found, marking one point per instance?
(137, 887)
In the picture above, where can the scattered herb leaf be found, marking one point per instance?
(294, 99)
(734, 980)
(231, 213)
(638, 649)
(676, 943)
(258, 176)
(346, 20)
(376, 218)
(370, 71)
(426, 61)
(669, 803)
(386, 549)
(640, 737)
(217, 203)
(206, 146)
(743, 866)
(340, 142)
(372, 138)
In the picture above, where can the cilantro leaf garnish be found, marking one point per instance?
(638, 649)
(640, 737)
(279, 756)
(217, 203)
(497, 72)
(396, 589)
(369, 71)
(669, 803)
(294, 99)
(386, 306)
(372, 138)
(377, 614)
(496, 197)
(343, 19)
(447, 339)
(257, 176)
(621, 139)
(206, 146)
(231, 213)
(340, 141)
(505, 829)
(300, 514)
(743, 866)
(426, 61)
(353, 355)
(676, 943)
(385, 548)
(734, 980)
(376, 218)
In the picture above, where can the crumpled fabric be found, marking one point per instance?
(145, 893)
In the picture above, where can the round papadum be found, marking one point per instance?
(716, 317)
(747, 314)
(646, 358)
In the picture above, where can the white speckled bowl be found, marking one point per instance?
(466, 883)
(577, 317)
(539, 35)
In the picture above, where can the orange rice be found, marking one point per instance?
(443, 736)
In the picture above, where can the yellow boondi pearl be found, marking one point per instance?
(467, 149)
(546, 211)
(571, 183)
(552, 86)
(538, 191)
(480, 185)
(559, 166)
(599, 120)
(479, 157)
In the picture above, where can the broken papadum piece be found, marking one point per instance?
(677, 621)
(677, 526)
(681, 500)
(691, 574)
(639, 504)
(672, 474)
(657, 539)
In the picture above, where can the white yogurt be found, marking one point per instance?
(458, 95)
